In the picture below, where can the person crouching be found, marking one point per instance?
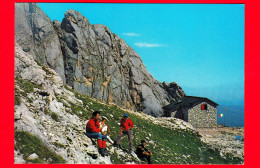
(143, 153)
(92, 131)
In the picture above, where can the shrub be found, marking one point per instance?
(55, 117)
(17, 98)
(46, 111)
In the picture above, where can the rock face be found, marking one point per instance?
(34, 116)
(35, 34)
(92, 60)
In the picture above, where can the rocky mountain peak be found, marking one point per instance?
(92, 60)
(173, 89)
(75, 15)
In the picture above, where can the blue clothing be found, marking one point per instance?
(97, 136)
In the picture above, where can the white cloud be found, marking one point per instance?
(131, 34)
(144, 44)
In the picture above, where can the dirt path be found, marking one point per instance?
(221, 130)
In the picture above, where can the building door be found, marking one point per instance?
(182, 116)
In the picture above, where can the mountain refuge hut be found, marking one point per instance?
(200, 112)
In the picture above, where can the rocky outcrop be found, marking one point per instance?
(67, 130)
(224, 140)
(96, 61)
(35, 34)
(174, 90)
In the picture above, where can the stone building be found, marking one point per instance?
(199, 111)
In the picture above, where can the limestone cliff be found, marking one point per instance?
(92, 60)
(35, 34)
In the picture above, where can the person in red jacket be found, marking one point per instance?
(93, 131)
(126, 126)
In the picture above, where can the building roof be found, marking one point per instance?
(188, 101)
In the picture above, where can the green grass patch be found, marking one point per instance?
(38, 63)
(55, 117)
(115, 160)
(59, 145)
(26, 87)
(28, 144)
(45, 68)
(46, 111)
(47, 100)
(17, 97)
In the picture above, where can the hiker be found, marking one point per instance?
(126, 126)
(143, 153)
(92, 131)
(105, 129)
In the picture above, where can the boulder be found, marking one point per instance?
(33, 156)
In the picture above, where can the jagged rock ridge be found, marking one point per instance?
(92, 60)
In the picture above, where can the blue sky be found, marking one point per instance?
(199, 46)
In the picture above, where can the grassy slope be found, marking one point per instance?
(28, 144)
(168, 146)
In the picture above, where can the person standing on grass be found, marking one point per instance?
(93, 131)
(126, 126)
(143, 153)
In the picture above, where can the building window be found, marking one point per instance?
(204, 107)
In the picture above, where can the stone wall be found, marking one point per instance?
(203, 118)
